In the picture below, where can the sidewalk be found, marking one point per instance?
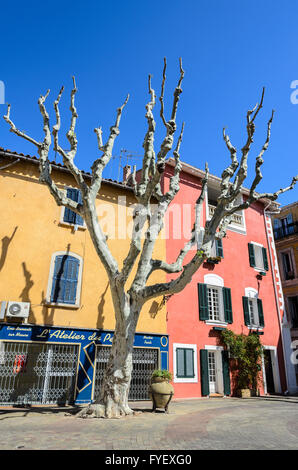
(215, 423)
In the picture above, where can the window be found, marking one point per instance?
(69, 216)
(253, 309)
(258, 256)
(287, 265)
(284, 226)
(185, 362)
(215, 303)
(65, 279)
(293, 307)
(214, 307)
(217, 248)
(238, 218)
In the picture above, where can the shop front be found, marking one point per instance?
(42, 365)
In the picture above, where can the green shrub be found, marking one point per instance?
(165, 374)
(247, 351)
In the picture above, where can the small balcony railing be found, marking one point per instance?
(236, 218)
(286, 231)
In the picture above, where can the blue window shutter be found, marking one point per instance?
(65, 279)
(290, 226)
(79, 219)
(70, 216)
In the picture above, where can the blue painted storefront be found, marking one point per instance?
(86, 340)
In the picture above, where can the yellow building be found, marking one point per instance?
(286, 241)
(54, 341)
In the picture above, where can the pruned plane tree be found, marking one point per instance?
(147, 218)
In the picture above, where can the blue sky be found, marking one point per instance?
(230, 50)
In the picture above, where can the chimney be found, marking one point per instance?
(126, 174)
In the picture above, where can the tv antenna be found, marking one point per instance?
(125, 156)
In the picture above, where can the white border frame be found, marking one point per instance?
(182, 379)
(259, 270)
(218, 364)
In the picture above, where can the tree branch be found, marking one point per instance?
(100, 164)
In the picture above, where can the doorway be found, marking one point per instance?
(269, 371)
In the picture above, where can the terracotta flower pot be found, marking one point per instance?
(161, 392)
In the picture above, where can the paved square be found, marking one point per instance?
(215, 423)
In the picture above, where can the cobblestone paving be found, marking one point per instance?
(218, 423)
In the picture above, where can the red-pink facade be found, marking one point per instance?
(188, 335)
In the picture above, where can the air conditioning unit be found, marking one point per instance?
(18, 309)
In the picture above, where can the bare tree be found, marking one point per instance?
(128, 300)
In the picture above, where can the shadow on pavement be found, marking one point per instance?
(10, 412)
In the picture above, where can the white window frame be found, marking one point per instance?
(195, 365)
(259, 246)
(252, 295)
(218, 363)
(48, 301)
(216, 282)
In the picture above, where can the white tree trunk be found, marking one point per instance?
(112, 401)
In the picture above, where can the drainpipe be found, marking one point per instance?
(275, 291)
(9, 164)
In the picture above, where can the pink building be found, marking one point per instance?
(238, 292)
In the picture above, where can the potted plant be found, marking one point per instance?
(161, 391)
(246, 351)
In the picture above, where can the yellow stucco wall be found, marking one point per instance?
(31, 232)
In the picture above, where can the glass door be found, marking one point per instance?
(212, 371)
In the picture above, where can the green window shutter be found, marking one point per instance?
(251, 253)
(246, 310)
(204, 372)
(265, 259)
(219, 247)
(185, 363)
(189, 363)
(226, 372)
(203, 302)
(227, 299)
(261, 314)
(180, 364)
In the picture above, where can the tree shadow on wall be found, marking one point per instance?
(25, 294)
(6, 241)
(48, 311)
(100, 309)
